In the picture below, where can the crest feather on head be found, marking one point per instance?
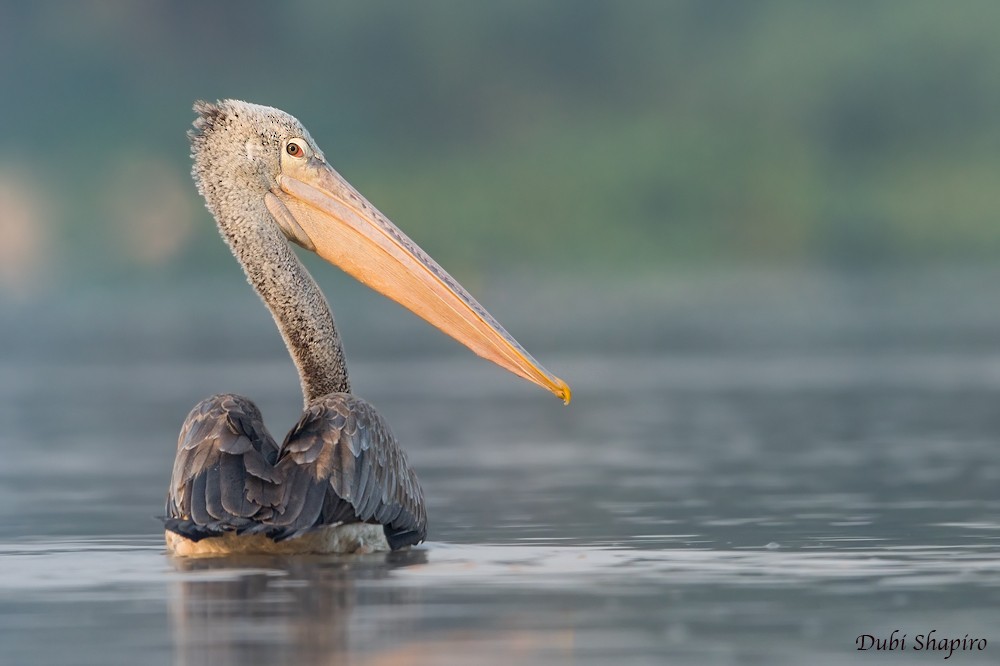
(208, 115)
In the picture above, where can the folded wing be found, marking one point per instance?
(342, 447)
(339, 464)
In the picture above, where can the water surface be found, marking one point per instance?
(753, 471)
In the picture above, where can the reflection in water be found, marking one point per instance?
(549, 604)
(264, 609)
(521, 604)
(339, 609)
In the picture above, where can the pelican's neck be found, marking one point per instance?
(293, 297)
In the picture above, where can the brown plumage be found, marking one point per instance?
(234, 489)
(339, 465)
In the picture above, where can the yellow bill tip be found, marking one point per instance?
(562, 390)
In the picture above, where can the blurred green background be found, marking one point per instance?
(573, 137)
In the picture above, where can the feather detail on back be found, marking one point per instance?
(340, 464)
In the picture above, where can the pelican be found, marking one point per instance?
(339, 482)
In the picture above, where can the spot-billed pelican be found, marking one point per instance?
(339, 482)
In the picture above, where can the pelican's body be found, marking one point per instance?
(339, 481)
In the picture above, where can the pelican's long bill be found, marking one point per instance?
(320, 210)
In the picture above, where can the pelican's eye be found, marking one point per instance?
(295, 149)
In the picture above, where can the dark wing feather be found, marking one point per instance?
(339, 464)
(224, 477)
(344, 447)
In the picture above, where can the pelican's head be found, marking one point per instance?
(246, 154)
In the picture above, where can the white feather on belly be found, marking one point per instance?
(351, 538)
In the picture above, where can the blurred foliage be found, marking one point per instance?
(575, 135)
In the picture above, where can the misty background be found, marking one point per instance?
(575, 138)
